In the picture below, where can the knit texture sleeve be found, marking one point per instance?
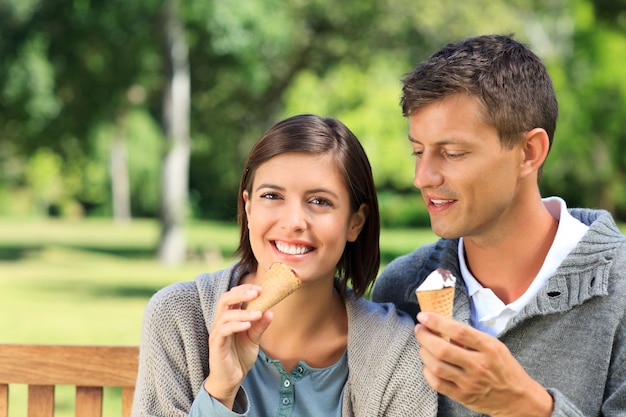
(386, 372)
(173, 359)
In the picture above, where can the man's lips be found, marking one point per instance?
(439, 204)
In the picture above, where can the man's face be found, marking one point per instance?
(467, 179)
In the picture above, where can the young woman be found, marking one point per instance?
(306, 199)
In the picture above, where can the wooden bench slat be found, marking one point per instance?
(4, 400)
(127, 400)
(40, 400)
(88, 401)
(89, 368)
(70, 365)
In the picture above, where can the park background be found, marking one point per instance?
(124, 125)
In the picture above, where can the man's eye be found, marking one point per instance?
(416, 153)
(454, 155)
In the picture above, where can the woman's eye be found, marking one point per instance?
(269, 196)
(321, 202)
(416, 152)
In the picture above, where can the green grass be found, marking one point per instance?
(87, 282)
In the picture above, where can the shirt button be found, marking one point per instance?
(285, 401)
(300, 369)
(287, 383)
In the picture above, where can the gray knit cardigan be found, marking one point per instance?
(385, 371)
(571, 337)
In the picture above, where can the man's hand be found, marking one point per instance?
(477, 370)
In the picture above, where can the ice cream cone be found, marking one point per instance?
(280, 281)
(437, 301)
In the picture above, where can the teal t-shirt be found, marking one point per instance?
(272, 391)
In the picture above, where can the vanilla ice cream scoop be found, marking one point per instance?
(438, 279)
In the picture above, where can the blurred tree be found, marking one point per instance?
(588, 163)
(176, 100)
(43, 175)
(611, 11)
(71, 71)
(69, 68)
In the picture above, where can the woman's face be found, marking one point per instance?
(299, 213)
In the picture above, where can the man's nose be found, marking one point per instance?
(427, 172)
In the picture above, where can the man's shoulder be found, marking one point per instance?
(401, 268)
(401, 274)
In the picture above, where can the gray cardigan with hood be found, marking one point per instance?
(571, 337)
(385, 371)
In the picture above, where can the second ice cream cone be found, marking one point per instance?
(437, 301)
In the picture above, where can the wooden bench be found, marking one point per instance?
(89, 368)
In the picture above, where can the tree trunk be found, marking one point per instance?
(175, 173)
(120, 183)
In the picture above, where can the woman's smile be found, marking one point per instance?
(292, 249)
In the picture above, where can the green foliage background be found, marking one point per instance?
(74, 74)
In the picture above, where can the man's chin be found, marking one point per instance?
(444, 232)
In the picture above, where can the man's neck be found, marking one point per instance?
(509, 264)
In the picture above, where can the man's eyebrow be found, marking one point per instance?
(450, 141)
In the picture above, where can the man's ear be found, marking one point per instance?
(535, 151)
(357, 221)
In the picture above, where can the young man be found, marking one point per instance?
(540, 304)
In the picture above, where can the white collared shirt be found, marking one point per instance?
(489, 313)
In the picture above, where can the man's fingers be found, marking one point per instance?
(459, 333)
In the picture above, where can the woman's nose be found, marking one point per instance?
(294, 216)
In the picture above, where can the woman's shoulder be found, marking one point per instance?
(174, 294)
(170, 307)
(188, 296)
(377, 317)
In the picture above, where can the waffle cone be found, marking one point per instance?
(437, 301)
(280, 281)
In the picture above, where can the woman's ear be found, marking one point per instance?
(357, 221)
(246, 202)
(535, 151)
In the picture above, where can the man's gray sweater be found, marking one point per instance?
(571, 337)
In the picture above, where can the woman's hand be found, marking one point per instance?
(234, 342)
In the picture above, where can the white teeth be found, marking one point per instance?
(438, 202)
(292, 249)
